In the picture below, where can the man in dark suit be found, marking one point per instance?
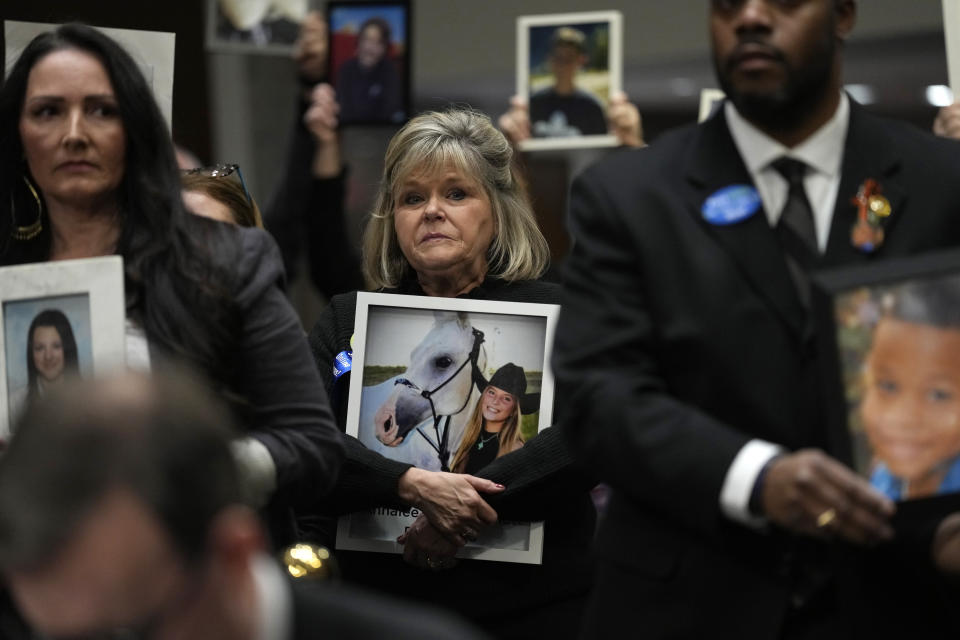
(686, 358)
(120, 514)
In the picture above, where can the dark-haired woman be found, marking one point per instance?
(87, 169)
(51, 356)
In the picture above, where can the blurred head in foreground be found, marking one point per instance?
(120, 510)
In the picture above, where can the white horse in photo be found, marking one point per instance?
(420, 414)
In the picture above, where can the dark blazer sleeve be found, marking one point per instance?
(367, 478)
(615, 407)
(334, 265)
(536, 477)
(289, 410)
(309, 211)
(283, 214)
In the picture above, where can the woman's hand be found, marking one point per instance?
(625, 122)
(427, 548)
(515, 123)
(321, 115)
(321, 119)
(451, 501)
(385, 427)
(947, 124)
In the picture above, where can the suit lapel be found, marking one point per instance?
(868, 153)
(715, 163)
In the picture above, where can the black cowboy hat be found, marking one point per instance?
(511, 379)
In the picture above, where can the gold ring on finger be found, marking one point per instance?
(825, 518)
(434, 563)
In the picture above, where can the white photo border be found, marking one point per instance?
(951, 35)
(709, 97)
(215, 44)
(153, 51)
(615, 67)
(365, 300)
(99, 278)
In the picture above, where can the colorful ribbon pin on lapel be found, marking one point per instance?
(873, 210)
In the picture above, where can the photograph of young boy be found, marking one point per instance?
(911, 404)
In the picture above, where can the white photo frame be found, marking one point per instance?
(390, 328)
(600, 82)
(710, 100)
(88, 293)
(267, 27)
(951, 34)
(153, 51)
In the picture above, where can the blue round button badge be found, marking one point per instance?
(730, 205)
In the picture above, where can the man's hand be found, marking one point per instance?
(515, 123)
(625, 122)
(427, 548)
(947, 123)
(451, 501)
(310, 50)
(946, 544)
(809, 492)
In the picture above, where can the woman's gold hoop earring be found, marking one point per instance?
(32, 230)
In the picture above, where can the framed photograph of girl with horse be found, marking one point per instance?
(448, 385)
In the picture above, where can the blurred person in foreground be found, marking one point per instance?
(120, 513)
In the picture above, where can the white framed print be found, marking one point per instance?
(57, 319)
(153, 52)
(711, 100)
(448, 385)
(568, 67)
(266, 27)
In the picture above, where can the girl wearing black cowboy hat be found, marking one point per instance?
(494, 427)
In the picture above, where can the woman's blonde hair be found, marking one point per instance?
(510, 438)
(466, 141)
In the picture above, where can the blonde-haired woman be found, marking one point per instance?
(453, 219)
(445, 146)
(494, 427)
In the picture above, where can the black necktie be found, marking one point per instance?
(795, 227)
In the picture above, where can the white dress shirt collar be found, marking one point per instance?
(822, 151)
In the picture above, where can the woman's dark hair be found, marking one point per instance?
(56, 319)
(165, 256)
(382, 26)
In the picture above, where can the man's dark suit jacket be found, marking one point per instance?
(680, 340)
(322, 610)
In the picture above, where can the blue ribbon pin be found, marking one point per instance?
(731, 205)
(342, 364)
